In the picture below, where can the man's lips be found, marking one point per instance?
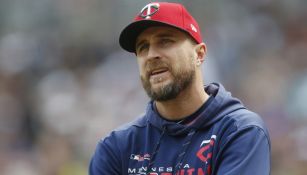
(158, 71)
(158, 75)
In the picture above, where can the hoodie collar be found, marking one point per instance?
(222, 104)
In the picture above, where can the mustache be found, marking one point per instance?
(155, 64)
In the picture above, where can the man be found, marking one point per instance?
(188, 128)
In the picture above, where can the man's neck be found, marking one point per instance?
(185, 104)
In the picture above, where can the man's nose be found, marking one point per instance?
(153, 52)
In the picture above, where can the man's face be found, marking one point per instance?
(165, 57)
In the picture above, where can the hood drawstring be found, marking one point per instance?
(181, 155)
(183, 151)
(156, 149)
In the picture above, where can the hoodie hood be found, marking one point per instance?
(222, 104)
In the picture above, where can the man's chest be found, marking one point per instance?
(173, 156)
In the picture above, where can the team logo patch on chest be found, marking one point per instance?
(140, 157)
(205, 151)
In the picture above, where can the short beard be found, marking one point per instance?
(182, 80)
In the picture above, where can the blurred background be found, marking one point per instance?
(65, 82)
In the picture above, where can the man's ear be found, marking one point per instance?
(201, 51)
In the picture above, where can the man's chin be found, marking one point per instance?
(159, 86)
(162, 92)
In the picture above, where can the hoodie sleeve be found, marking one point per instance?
(246, 152)
(106, 159)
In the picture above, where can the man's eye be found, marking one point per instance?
(142, 47)
(166, 41)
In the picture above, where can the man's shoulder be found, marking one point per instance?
(139, 122)
(128, 129)
(244, 118)
(243, 124)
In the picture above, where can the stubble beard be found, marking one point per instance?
(181, 80)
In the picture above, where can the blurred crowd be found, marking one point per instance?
(65, 83)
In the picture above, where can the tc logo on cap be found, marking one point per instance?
(149, 10)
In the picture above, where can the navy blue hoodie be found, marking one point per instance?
(225, 139)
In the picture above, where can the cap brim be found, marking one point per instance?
(129, 35)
